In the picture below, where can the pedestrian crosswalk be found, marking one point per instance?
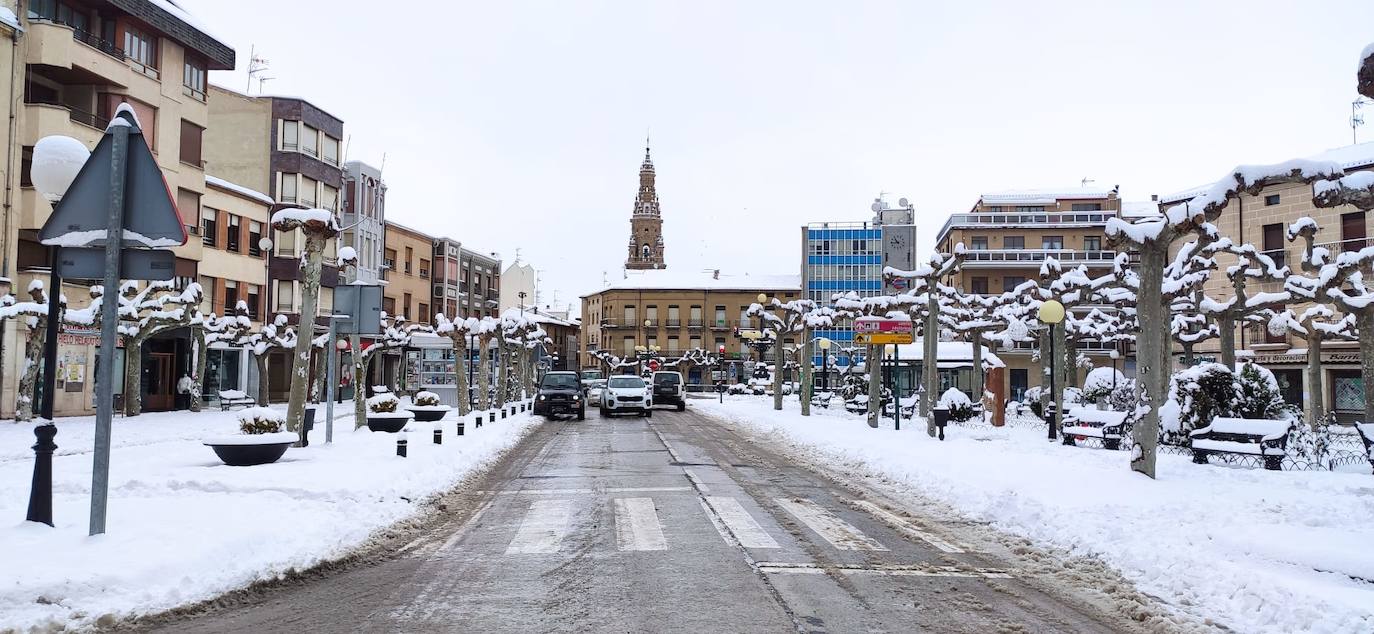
(547, 521)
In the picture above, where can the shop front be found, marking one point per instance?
(1342, 383)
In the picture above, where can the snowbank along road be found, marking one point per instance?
(673, 523)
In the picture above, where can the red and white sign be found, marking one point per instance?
(653, 365)
(878, 324)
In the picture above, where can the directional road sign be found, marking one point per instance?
(88, 263)
(363, 305)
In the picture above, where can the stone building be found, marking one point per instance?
(646, 223)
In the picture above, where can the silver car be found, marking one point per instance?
(595, 388)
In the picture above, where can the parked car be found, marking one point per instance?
(627, 394)
(560, 393)
(591, 376)
(669, 389)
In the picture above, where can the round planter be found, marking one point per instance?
(389, 423)
(428, 413)
(247, 450)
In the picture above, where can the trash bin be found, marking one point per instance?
(941, 419)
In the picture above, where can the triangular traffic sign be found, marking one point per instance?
(150, 215)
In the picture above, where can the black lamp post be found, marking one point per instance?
(1051, 313)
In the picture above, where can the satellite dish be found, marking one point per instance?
(903, 203)
(876, 206)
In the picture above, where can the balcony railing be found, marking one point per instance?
(75, 114)
(674, 323)
(694, 323)
(1342, 246)
(997, 256)
(1061, 219)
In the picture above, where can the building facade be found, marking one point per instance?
(1009, 235)
(646, 222)
(479, 284)
(406, 272)
(232, 270)
(364, 216)
(518, 286)
(73, 65)
(679, 312)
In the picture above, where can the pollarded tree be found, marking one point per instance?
(460, 332)
(1316, 324)
(783, 318)
(850, 306)
(693, 358)
(396, 333)
(486, 332)
(156, 308)
(1243, 306)
(278, 334)
(34, 314)
(207, 331)
(319, 226)
(925, 282)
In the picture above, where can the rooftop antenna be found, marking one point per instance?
(1085, 181)
(1357, 120)
(263, 80)
(348, 143)
(256, 65)
(517, 249)
(383, 169)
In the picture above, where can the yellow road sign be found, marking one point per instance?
(881, 338)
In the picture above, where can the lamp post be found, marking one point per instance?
(1051, 313)
(56, 162)
(824, 345)
(1115, 355)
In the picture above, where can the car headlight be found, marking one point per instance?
(576, 398)
(543, 398)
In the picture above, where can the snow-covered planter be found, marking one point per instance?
(261, 439)
(384, 414)
(427, 407)
(959, 405)
(1100, 385)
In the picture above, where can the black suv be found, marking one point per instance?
(668, 390)
(560, 393)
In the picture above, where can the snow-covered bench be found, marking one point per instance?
(1266, 439)
(230, 398)
(1366, 431)
(1094, 423)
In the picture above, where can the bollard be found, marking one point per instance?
(478, 420)
(491, 417)
(438, 435)
(503, 412)
(401, 444)
(40, 493)
(460, 427)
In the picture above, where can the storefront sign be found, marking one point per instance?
(77, 336)
(1351, 357)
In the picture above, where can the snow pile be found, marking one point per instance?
(185, 528)
(287, 219)
(347, 255)
(1252, 550)
(952, 398)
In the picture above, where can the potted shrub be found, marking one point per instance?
(427, 407)
(384, 414)
(261, 439)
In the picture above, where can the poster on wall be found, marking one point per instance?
(73, 371)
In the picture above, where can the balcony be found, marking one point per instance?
(999, 258)
(1344, 246)
(1040, 220)
(43, 119)
(674, 323)
(60, 46)
(694, 323)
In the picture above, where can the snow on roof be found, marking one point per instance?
(949, 354)
(254, 194)
(1348, 157)
(1139, 208)
(1043, 196)
(175, 10)
(664, 279)
(545, 318)
(8, 17)
(1364, 55)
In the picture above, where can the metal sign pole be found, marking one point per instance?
(897, 383)
(333, 370)
(109, 323)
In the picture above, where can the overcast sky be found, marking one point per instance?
(520, 125)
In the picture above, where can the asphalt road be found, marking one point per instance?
(670, 523)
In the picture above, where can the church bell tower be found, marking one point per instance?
(646, 225)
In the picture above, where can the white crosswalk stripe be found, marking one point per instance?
(637, 526)
(907, 527)
(839, 533)
(543, 528)
(740, 523)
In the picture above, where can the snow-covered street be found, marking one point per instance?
(1252, 550)
(183, 527)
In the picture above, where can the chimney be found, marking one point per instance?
(715, 275)
(1154, 198)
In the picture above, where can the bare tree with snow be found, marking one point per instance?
(34, 315)
(319, 226)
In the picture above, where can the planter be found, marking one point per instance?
(388, 422)
(428, 413)
(246, 450)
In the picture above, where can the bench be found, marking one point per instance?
(1090, 422)
(1266, 439)
(230, 398)
(1366, 431)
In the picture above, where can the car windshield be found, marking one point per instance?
(560, 381)
(667, 379)
(590, 375)
(626, 381)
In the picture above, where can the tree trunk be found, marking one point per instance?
(931, 358)
(460, 369)
(33, 367)
(1364, 321)
(976, 340)
(201, 351)
(1046, 372)
(502, 370)
(263, 392)
(1315, 394)
(806, 373)
(133, 372)
(779, 360)
(1154, 335)
(1067, 363)
(360, 361)
(1227, 325)
(310, 304)
(1188, 359)
(483, 375)
(873, 364)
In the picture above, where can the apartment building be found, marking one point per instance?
(467, 283)
(406, 271)
(364, 216)
(679, 311)
(233, 269)
(1262, 219)
(1009, 235)
(73, 64)
(289, 149)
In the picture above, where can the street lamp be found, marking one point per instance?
(1051, 313)
(1114, 354)
(824, 344)
(56, 162)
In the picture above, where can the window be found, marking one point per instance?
(190, 143)
(694, 343)
(1352, 231)
(628, 345)
(286, 244)
(285, 300)
(695, 316)
(231, 296)
(1014, 242)
(389, 259)
(290, 135)
(720, 344)
(193, 78)
(424, 268)
(1031, 210)
(979, 286)
(1052, 243)
(410, 253)
(1273, 243)
(651, 342)
(207, 296)
(1086, 207)
(141, 48)
(630, 316)
(720, 316)
(674, 316)
(424, 315)
(254, 238)
(235, 234)
(1271, 200)
(329, 149)
(651, 315)
(329, 198)
(308, 191)
(1010, 283)
(209, 232)
(310, 140)
(188, 207)
(254, 300)
(1092, 243)
(980, 243)
(389, 305)
(405, 305)
(288, 188)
